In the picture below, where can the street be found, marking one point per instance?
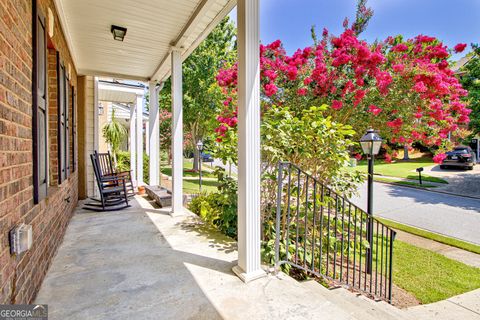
(449, 215)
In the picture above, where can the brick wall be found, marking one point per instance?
(21, 276)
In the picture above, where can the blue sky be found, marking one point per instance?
(452, 21)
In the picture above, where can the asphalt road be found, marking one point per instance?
(450, 215)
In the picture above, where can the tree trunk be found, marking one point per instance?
(196, 162)
(405, 153)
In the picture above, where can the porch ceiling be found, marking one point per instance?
(154, 27)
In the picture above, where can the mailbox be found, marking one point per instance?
(419, 170)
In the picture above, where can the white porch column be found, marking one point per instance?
(248, 267)
(133, 143)
(139, 139)
(154, 136)
(147, 137)
(177, 134)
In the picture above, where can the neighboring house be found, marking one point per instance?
(122, 114)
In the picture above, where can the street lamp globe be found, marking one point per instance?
(371, 143)
(200, 145)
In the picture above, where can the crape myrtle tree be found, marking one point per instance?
(202, 98)
(402, 87)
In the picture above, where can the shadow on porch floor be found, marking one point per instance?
(141, 263)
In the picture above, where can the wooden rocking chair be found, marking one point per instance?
(107, 169)
(113, 192)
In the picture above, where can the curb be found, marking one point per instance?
(429, 190)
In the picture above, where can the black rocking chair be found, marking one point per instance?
(113, 192)
(107, 169)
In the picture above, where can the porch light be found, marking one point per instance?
(371, 143)
(118, 32)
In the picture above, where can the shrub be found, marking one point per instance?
(219, 208)
(123, 163)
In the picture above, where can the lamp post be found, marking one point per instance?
(371, 143)
(200, 149)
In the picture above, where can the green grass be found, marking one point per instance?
(187, 167)
(429, 276)
(190, 185)
(404, 183)
(433, 236)
(400, 169)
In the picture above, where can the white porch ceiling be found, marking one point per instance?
(153, 28)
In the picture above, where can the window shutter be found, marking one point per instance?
(74, 130)
(39, 97)
(66, 133)
(61, 123)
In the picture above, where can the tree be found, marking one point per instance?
(405, 88)
(114, 133)
(201, 96)
(471, 81)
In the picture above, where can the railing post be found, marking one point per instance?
(390, 269)
(279, 212)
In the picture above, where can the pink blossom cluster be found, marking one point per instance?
(349, 74)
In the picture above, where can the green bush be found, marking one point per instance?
(219, 208)
(123, 163)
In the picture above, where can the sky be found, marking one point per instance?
(451, 21)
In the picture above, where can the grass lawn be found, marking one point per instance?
(190, 185)
(404, 183)
(433, 236)
(429, 276)
(400, 169)
(187, 167)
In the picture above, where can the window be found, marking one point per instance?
(62, 123)
(39, 112)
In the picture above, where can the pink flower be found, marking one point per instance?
(337, 105)
(270, 89)
(439, 158)
(388, 158)
(302, 91)
(420, 87)
(398, 67)
(460, 47)
(358, 156)
(400, 47)
(374, 109)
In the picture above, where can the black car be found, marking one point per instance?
(461, 156)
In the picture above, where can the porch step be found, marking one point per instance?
(161, 196)
(358, 306)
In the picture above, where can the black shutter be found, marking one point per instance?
(61, 121)
(67, 126)
(39, 97)
(74, 130)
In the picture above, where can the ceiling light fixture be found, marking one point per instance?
(118, 32)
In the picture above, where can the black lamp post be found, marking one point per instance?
(200, 149)
(371, 143)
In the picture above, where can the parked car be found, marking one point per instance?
(207, 157)
(461, 156)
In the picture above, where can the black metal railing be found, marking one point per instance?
(322, 233)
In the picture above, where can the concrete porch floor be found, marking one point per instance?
(140, 263)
